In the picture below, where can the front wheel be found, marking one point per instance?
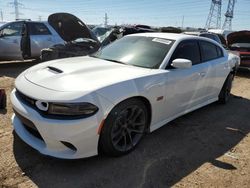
(226, 89)
(124, 127)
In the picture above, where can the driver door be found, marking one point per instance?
(185, 87)
(10, 39)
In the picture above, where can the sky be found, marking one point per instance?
(149, 12)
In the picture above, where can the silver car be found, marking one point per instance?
(26, 39)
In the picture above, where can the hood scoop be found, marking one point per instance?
(54, 69)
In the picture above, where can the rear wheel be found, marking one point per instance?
(226, 89)
(124, 127)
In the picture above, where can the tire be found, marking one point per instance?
(124, 128)
(224, 95)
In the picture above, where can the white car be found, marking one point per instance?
(73, 108)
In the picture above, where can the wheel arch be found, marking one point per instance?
(148, 106)
(139, 97)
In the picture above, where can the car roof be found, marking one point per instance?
(174, 36)
(171, 36)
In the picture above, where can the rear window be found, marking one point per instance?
(211, 36)
(208, 51)
(38, 29)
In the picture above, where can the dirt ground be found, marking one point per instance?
(206, 148)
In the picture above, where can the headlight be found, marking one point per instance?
(72, 109)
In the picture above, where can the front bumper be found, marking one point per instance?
(81, 133)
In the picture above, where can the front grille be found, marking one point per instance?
(27, 100)
(29, 126)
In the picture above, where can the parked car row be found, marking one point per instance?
(65, 35)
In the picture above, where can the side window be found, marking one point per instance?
(38, 29)
(188, 50)
(13, 29)
(208, 51)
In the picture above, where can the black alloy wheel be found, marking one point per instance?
(124, 127)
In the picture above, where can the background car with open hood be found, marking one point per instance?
(25, 39)
(239, 42)
(79, 39)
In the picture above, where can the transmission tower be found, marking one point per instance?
(229, 15)
(16, 6)
(106, 20)
(214, 16)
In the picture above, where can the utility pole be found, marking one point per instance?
(106, 20)
(39, 18)
(229, 15)
(1, 13)
(16, 6)
(214, 16)
(182, 22)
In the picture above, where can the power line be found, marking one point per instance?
(16, 6)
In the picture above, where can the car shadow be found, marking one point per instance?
(243, 73)
(162, 159)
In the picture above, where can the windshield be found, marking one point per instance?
(141, 51)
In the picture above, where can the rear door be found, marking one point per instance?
(219, 67)
(10, 39)
(40, 38)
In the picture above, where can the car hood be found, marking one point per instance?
(69, 27)
(85, 74)
(238, 37)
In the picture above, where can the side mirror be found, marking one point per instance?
(181, 63)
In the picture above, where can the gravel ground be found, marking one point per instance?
(206, 148)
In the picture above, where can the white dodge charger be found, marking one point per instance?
(73, 108)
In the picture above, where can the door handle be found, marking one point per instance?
(202, 74)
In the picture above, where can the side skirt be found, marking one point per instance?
(164, 122)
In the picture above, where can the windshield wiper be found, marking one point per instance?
(112, 60)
